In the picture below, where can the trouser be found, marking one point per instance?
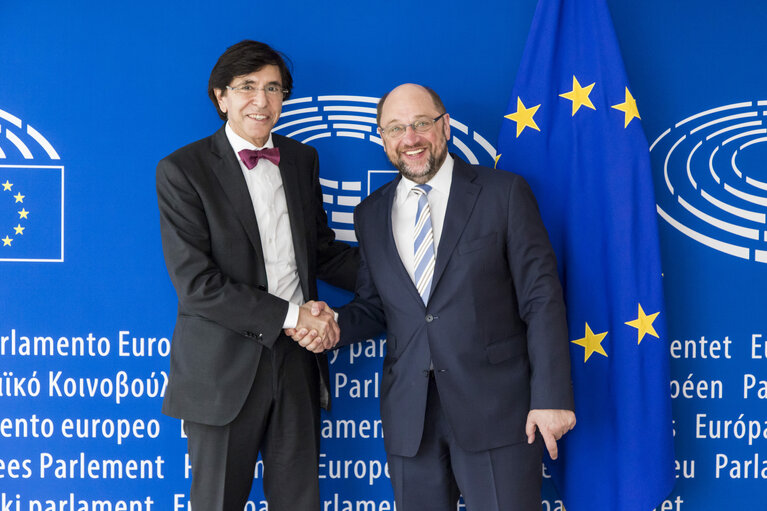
(281, 420)
(506, 478)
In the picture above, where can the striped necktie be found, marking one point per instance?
(423, 244)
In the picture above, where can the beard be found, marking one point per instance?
(429, 170)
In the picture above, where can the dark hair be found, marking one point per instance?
(244, 58)
(434, 97)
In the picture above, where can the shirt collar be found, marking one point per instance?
(238, 143)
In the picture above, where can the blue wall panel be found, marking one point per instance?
(109, 89)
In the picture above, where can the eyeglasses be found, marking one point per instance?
(420, 126)
(249, 91)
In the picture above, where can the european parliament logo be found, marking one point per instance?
(714, 178)
(343, 129)
(31, 195)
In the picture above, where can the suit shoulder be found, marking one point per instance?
(497, 176)
(508, 184)
(188, 154)
(291, 145)
(378, 195)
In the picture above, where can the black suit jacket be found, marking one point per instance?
(213, 252)
(494, 325)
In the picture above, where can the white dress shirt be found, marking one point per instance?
(406, 205)
(268, 196)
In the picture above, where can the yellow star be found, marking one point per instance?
(7, 186)
(7, 241)
(19, 197)
(591, 342)
(629, 108)
(497, 157)
(579, 96)
(643, 324)
(23, 213)
(19, 229)
(524, 117)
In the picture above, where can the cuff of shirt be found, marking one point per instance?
(291, 318)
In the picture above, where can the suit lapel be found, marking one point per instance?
(463, 197)
(290, 184)
(229, 174)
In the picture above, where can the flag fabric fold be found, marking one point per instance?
(572, 129)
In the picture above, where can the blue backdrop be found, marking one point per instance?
(92, 95)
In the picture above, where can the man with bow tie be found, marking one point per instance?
(245, 237)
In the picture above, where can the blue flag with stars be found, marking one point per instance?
(572, 129)
(31, 213)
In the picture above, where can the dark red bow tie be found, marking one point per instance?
(250, 157)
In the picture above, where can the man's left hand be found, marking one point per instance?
(552, 424)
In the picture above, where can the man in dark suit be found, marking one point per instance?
(245, 237)
(457, 267)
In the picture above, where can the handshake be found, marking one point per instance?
(316, 329)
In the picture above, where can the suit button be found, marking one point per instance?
(429, 318)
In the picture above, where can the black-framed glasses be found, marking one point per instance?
(420, 126)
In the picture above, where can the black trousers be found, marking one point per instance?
(506, 478)
(281, 420)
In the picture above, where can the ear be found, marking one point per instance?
(446, 126)
(220, 94)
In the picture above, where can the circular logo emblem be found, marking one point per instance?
(714, 186)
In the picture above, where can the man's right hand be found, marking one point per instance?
(317, 329)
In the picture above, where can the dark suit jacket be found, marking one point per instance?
(494, 326)
(213, 253)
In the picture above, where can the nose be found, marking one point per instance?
(410, 136)
(259, 97)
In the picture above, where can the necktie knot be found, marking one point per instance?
(250, 157)
(421, 190)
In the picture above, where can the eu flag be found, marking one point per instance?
(31, 213)
(572, 128)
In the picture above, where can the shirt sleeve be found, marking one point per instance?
(291, 318)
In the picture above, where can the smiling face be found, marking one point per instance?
(418, 156)
(252, 116)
